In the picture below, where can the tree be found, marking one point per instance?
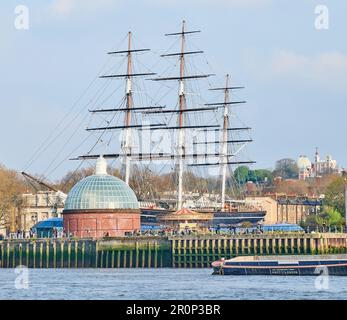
(334, 195)
(329, 217)
(12, 185)
(72, 177)
(333, 217)
(261, 175)
(286, 168)
(295, 187)
(241, 174)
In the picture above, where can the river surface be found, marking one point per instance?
(162, 284)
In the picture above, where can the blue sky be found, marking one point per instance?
(295, 75)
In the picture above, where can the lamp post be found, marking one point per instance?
(345, 204)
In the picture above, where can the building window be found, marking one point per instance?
(34, 217)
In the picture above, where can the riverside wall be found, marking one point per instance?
(160, 252)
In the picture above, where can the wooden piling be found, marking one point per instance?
(286, 245)
(202, 252)
(112, 259)
(237, 246)
(261, 246)
(155, 255)
(54, 254)
(143, 257)
(305, 245)
(8, 255)
(131, 258)
(34, 254)
(41, 255)
(20, 248)
(83, 254)
(101, 258)
(179, 253)
(96, 254)
(2, 255)
(137, 254)
(76, 254)
(173, 248)
(118, 259)
(14, 256)
(61, 254)
(47, 254)
(107, 254)
(149, 257)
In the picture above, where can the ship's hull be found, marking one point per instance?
(149, 217)
(315, 267)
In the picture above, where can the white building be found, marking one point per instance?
(40, 206)
(317, 168)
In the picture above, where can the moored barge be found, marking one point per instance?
(335, 265)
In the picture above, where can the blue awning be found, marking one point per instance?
(49, 224)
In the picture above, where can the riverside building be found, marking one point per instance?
(101, 205)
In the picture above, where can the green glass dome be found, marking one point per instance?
(101, 191)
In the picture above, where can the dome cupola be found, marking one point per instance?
(101, 191)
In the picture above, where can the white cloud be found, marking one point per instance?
(234, 3)
(324, 68)
(66, 7)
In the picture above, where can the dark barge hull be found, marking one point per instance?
(301, 267)
(284, 271)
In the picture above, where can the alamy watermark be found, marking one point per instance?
(22, 280)
(322, 17)
(21, 21)
(321, 283)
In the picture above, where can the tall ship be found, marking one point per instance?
(178, 133)
(190, 129)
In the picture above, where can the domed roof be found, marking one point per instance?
(101, 191)
(303, 162)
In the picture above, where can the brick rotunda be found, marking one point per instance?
(101, 205)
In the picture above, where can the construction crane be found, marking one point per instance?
(41, 183)
(60, 195)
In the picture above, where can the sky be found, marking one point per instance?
(295, 74)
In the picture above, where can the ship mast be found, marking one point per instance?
(129, 104)
(182, 110)
(179, 155)
(126, 154)
(181, 143)
(224, 142)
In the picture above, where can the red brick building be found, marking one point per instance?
(101, 205)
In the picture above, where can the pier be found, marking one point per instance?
(161, 252)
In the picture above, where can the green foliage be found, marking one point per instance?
(329, 217)
(243, 174)
(334, 195)
(263, 175)
(287, 169)
(332, 217)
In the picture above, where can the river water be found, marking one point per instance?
(162, 284)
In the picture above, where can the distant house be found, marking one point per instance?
(284, 209)
(40, 206)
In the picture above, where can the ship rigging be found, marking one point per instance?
(189, 132)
